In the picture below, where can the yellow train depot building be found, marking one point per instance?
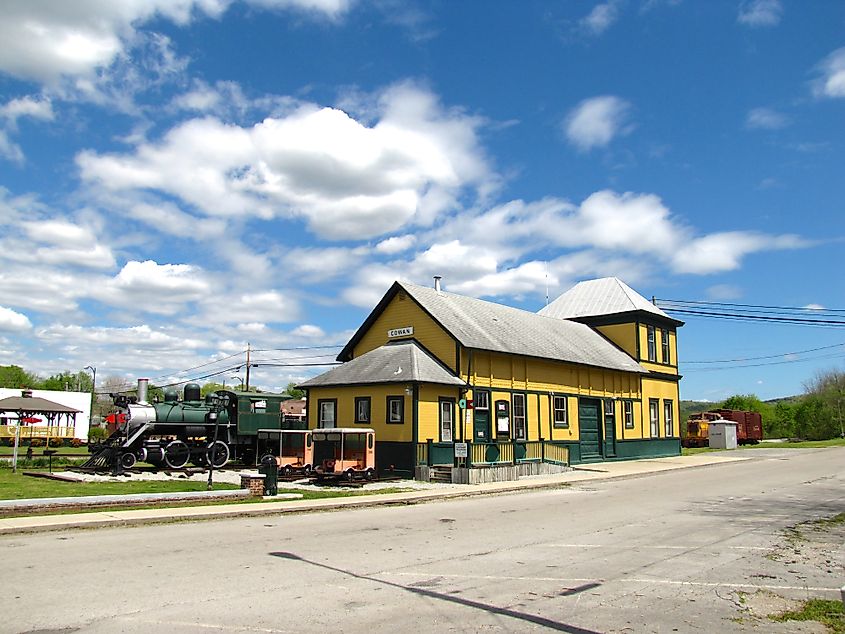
(592, 376)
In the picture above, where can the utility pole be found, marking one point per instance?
(246, 389)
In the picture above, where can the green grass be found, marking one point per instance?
(37, 451)
(804, 444)
(829, 613)
(16, 486)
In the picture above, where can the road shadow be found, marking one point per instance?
(469, 603)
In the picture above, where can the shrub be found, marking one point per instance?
(56, 442)
(36, 442)
(97, 433)
(76, 442)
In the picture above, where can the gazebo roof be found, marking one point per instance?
(34, 405)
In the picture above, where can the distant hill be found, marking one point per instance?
(693, 407)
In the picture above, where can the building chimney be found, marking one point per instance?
(26, 393)
(143, 385)
(437, 279)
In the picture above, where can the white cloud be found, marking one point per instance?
(759, 13)
(308, 331)
(347, 180)
(396, 244)
(56, 291)
(225, 97)
(316, 265)
(831, 80)
(9, 149)
(135, 338)
(149, 287)
(329, 8)
(724, 292)
(11, 321)
(48, 41)
(596, 121)
(41, 108)
(724, 251)
(766, 119)
(601, 17)
(270, 306)
(814, 307)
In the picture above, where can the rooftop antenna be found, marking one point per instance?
(547, 282)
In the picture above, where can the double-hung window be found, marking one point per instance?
(561, 413)
(628, 411)
(668, 418)
(664, 344)
(327, 409)
(652, 344)
(520, 428)
(447, 409)
(654, 417)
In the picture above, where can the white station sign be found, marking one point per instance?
(407, 331)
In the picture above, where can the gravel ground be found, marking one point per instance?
(233, 476)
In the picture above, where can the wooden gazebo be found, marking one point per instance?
(26, 405)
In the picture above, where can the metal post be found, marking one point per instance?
(17, 444)
(428, 442)
(93, 396)
(213, 415)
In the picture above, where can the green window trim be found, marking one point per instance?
(665, 348)
(440, 419)
(363, 410)
(652, 344)
(628, 413)
(560, 411)
(669, 418)
(654, 417)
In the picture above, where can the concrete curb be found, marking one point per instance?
(135, 517)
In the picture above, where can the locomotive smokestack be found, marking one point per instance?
(437, 279)
(143, 384)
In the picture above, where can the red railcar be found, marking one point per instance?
(749, 425)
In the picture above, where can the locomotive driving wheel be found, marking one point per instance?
(176, 454)
(217, 454)
(128, 460)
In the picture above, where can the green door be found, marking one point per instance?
(589, 425)
(481, 417)
(609, 428)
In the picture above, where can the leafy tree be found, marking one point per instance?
(68, 381)
(13, 376)
(210, 388)
(752, 403)
(294, 391)
(825, 406)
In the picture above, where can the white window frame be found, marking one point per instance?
(628, 413)
(520, 421)
(447, 420)
(651, 339)
(560, 405)
(668, 418)
(327, 422)
(665, 348)
(654, 417)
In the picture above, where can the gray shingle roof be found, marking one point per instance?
(34, 404)
(398, 362)
(486, 325)
(605, 296)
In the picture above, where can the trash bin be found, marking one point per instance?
(270, 468)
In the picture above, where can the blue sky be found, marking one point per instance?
(179, 178)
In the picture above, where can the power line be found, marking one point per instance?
(771, 356)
